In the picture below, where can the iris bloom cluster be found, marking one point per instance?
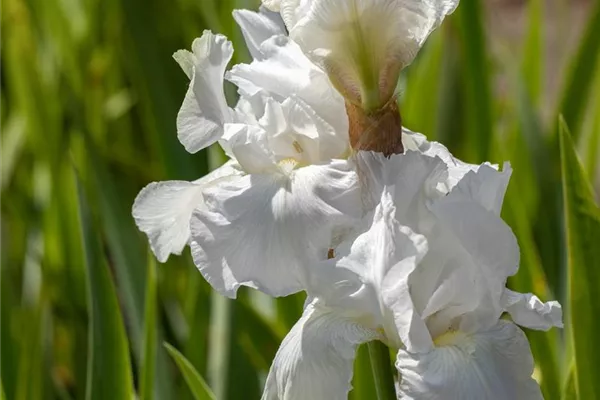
(390, 236)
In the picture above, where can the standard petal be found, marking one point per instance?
(486, 186)
(395, 291)
(315, 360)
(258, 27)
(294, 10)
(488, 254)
(363, 44)
(456, 168)
(370, 276)
(492, 365)
(262, 230)
(162, 210)
(285, 71)
(411, 178)
(297, 132)
(248, 145)
(529, 311)
(272, 5)
(204, 110)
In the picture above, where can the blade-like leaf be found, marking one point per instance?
(476, 79)
(582, 219)
(581, 73)
(109, 366)
(195, 382)
(150, 335)
(592, 145)
(569, 391)
(363, 385)
(127, 255)
(533, 56)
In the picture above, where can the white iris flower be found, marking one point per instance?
(426, 275)
(282, 192)
(403, 245)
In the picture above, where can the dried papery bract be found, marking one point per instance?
(379, 131)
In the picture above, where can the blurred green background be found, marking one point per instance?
(88, 104)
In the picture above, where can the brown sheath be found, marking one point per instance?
(379, 131)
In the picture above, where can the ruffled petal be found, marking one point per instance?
(297, 132)
(486, 186)
(529, 311)
(369, 277)
(285, 71)
(162, 210)
(272, 5)
(258, 27)
(456, 168)
(315, 360)
(363, 44)
(294, 10)
(248, 145)
(483, 252)
(495, 364)
(204, 110)
(262, 230)
(411, 178)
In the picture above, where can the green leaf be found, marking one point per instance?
(569, 392)
(581, 73)
(31, 357)
(197, 385)
(128, 256)
(109, 367)
(476, 79)
(592, 144)
(219, 337)
(423, 81)
(382, 370)
(582, 220)
(148, 69)
(363, 384)
(150, 335)
(9, 305)
(533, 50)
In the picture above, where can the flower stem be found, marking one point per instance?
(382, 370)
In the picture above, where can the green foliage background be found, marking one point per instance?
(88, 105)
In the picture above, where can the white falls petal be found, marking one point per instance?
(262, 230)
(162, 210)
(285, 71)
(316, 358)
(529, 311)
(204, 110)
(258, 27)
(492, 365)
